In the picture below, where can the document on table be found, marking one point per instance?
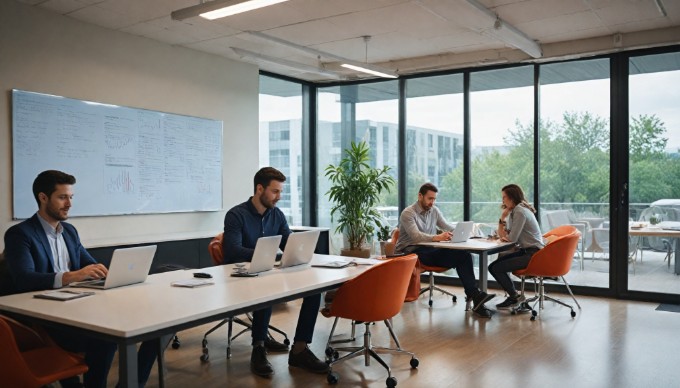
(334, 264)
(360, 261)
(192, 283)
(63, 295)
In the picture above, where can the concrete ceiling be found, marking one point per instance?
(407, 36)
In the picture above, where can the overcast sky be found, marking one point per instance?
(494, 112)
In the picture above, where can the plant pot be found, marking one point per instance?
(364, 253)
(386, 248)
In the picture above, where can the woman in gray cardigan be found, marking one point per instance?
(517, 224)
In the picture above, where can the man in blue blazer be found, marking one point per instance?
(44, 252)
(32, 265)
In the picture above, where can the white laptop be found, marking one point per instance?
(462, 231)
(299, 248)
(128, 266)
(264, 256)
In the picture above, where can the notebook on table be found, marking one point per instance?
(299, 248)
(462, 231)
(128, 266)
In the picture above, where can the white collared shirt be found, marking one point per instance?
(60, 257)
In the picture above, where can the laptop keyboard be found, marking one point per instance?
(98, 282)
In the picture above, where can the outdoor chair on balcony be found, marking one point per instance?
(601, 240)
(563, 217)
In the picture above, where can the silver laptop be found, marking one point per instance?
(462, 231)
(128, 266)
(264, 256)
(299, 248)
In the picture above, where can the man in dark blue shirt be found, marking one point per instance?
(243, 225)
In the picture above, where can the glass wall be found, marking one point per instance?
(434, 140)
(354, 113)
(654, 172)
(502, 138)
(574, 133)
(281, 140)
(574, 155)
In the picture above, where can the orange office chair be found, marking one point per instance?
(375, 295)
(554, 260)
(216, 254)
(31, 359)
(431, 271)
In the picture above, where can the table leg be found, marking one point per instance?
(483, 270)
(675, 255)
(161, 344)
(127, 365)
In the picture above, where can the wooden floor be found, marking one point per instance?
(610, 343)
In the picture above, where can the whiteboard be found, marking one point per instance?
(125, 160)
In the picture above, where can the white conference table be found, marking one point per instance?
(149, 310)
(481, 246)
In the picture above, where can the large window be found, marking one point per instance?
(354, 113)
(434, 140)
(574, 132)
(502, 142)
(281, 140)
(574, 170)
(654, 170)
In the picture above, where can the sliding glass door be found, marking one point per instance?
(654, 173)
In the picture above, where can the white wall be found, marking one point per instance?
(52, 54)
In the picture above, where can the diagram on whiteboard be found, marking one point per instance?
(125, 160)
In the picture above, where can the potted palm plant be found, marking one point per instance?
(355, 190)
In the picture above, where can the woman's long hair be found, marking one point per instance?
(516, 195)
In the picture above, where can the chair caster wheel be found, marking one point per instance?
(205, 356)
(454, 299)
(414, 363)
(430, 303)
(175, 342)
(286, 342)
(573, 314)
(513, 312)
(391, 382)
(336, 355)
(332, 378)
(533, 318)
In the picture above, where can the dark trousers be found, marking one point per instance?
(305, 325)
(508, 262)
(451, 258)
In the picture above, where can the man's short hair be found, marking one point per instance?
(265, 175)
(427, 187)
(47, 181)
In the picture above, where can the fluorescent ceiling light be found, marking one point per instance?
(506, 32)
(221, 8)
(363, 69)
(374, 69)
(286, 63)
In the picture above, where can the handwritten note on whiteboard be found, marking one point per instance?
(125, 160)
